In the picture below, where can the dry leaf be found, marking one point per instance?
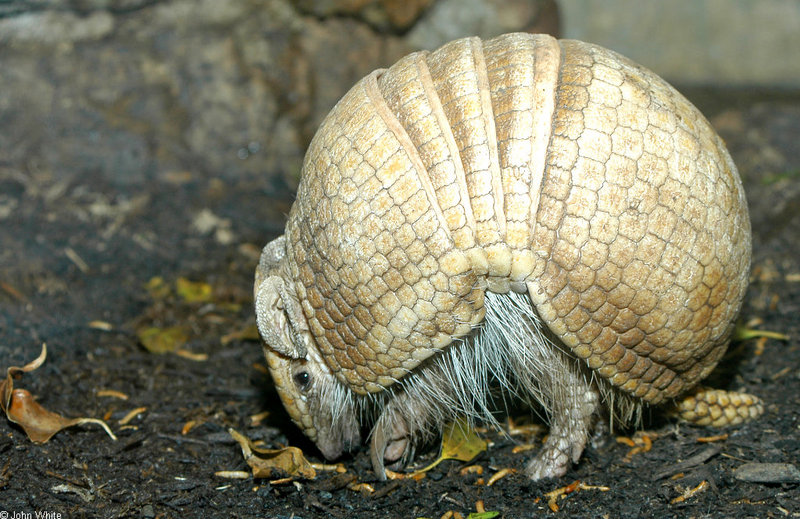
(20, 407)
(193, 291)
(274, 463)
(162, 340)
(459, 442)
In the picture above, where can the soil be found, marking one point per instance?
(77, 268)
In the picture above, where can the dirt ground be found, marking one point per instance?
(77, 266)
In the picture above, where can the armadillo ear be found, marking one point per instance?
(271, 256)
(278, 317)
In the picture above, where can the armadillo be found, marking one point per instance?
(543, 217)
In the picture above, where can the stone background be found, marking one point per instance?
(135, 90)
(170, 89)
(741, 43)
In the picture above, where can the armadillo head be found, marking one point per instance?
(316, 401)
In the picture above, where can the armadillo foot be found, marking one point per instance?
(718, 408)
(553, 460)
(572, 413)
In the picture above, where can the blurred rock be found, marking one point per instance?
(697, 42)
(135, 90)
(451, 19)
(382, 14)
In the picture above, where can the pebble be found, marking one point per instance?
(768, 473)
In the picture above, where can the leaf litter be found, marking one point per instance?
(459, 442)
(22, 409)
(287, 463)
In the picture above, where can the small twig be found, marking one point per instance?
(65, 478)
(698, 459)
(73, 256)
(182, 439)
(13, 292)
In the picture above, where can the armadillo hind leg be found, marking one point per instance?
(717, 407)
(572, 409)
(542, 373)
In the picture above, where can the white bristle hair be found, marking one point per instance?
(509, 357)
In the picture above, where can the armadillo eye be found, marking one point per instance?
(303, 380)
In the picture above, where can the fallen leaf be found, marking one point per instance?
(459, 442)
(483, 515)
(20, 407)
(162, 340)
(193, 291)
(743, 332)
(271, 463)
(157, 288)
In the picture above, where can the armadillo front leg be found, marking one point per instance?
(572, 408)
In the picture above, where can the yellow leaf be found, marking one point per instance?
(272, 463)
(459, 442)
(157, 288)
(744, 332)
(483, 515)
(162, 340)
(193, 291)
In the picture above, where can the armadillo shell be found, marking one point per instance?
(521, 161)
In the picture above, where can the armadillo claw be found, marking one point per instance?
(376, 452)
(718, 408)
(394, 448)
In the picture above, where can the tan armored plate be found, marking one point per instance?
(521, 164)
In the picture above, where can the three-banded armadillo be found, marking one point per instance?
(542, 216)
